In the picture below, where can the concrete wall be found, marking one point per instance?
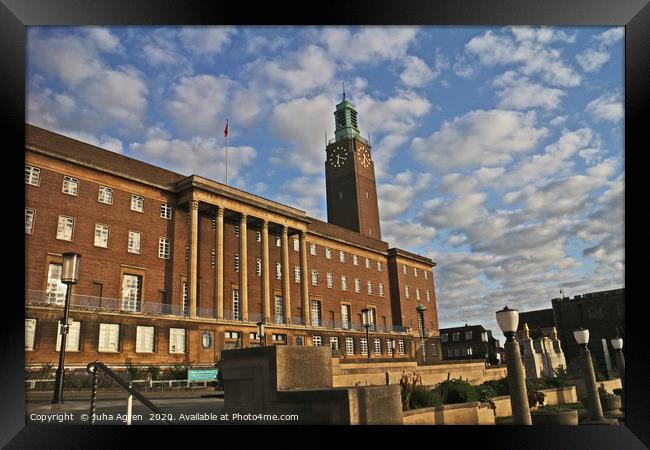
(473, 413)
(559, 396)
(610, 385)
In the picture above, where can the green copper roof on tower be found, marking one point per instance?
(345, 120)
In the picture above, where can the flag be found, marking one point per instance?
(225, 130)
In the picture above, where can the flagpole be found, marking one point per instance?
(227, 122)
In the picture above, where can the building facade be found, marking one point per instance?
(542, 356)
(177, 268)
(465, 342)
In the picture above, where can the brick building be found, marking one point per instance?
(176, 268)
(466, 343)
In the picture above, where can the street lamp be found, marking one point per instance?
(595, 409)
(365, 317)
(508, 319)
(484, 339)
(260, 333)
(69, 276)
(617, 343)
(421, 308)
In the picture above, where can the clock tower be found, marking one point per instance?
(350, 176)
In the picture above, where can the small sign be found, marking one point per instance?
(202, 374)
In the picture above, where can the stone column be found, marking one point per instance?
(193, 253)
(219, 283)
(517, 383)
(305, 279)
(266, 288)
(285, 274)
(243, 267)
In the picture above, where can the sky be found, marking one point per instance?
(498, 150)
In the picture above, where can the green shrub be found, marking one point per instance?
(133, 372)
(422, 397)
(458, 391)
(500, 387)
(179, 371)
(154, 371)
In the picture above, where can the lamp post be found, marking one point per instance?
(421, 308)
(260, 333)
(365, 317)
(484, 338)
(69, 276)
(508, 319)
(593, 399)
(617, 343)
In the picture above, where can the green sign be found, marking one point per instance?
(202, 374)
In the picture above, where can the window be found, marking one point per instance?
(407, 292)
(379, 266)
(135, 238)
(70, 185)
(312, 249)
(415, 271)
(314, 278)
(377, 346)
(235, 304)
(317, 341)
(166, 211)
(455, 337)
(330, 280)
(342, 257)
(137, 203)
(30, 334)
(404, 269)
(176, 340)
(349, 346)
(253, 336)
(428, 295)
(443, 337)
(280, 337)
(364, 346)
(456, 352)
(355, 260)
(105, 195)
(144, 339)
(32, 175)
(236, 230)
(372, 318)
(334, 343)
(72, 341)
(131, 287)
(101, 235)
(400, 347)
(279, 310)
(109, 335)
(468, 335)
(296, 244)
(345, 316)
(417, 294)
(368, 263)
(381, 289)
(296, 274)
(236, 262)
(258, 267)
(434, 348)
(369, 287)
(258, 236)
(426, 275)
(344, 283)
(55, 292)
(186, 305)
(278, 271)
(29, 220)
(357, 285)
(231, 335)
(316, 317)
(389, 347)
(328, 253)
(164, 248)
(468, 351)
(278, 241)
(65, 228)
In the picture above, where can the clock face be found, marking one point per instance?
(364, 156)
(338, 156)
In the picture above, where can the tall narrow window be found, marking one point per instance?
(342, 257)
(131, 287)
(344, 283)
(135, 238)
(30, 334)
(32, 175)
(72, 341)
(258, 267)
(407, 292)
(369, 287)
(101, 235)
(312, 249)
(377, 346)
(29, 220)
(70, 185)
(258, 236)
(334, 343)
(296, 244)
(368, 263)
(317, 341)
(316, 316)
(235, 304)
(144, 339)
(166, 211)
(109, 336)
(65, 228)
(278, 241)
(278, 271)
(404, 269)
(55, 289)
(237, 230)
(372, 318)
(426, 275)
(349, 346)
(379, 266)
(389, 347)
(105, 195)
(164, 248)
(186, 304)
(328, 253)
(355, 260)
(330, 280)
(380, 288)
(364, 346)
(428, 295)
(279, 310)
(400, 347)
(137, 203)
(357, 285)
(176, 340)
(314, 278)
(236, 262)
(345, 317)
(296, 274)
(417, 294)
(415, 271)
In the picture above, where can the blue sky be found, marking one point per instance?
(498, 151)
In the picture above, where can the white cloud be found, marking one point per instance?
(306, 193)
(206, 41)
(479, 137)
(594, 58)
(608, 107)
(396, 195)
(407, 234)
(521, 93)
(103, 38)
(416, 72)
(461, 212)
(68, 58)
(369, 45)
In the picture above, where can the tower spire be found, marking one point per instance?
(344, 90)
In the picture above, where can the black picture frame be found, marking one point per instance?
(15, 15)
